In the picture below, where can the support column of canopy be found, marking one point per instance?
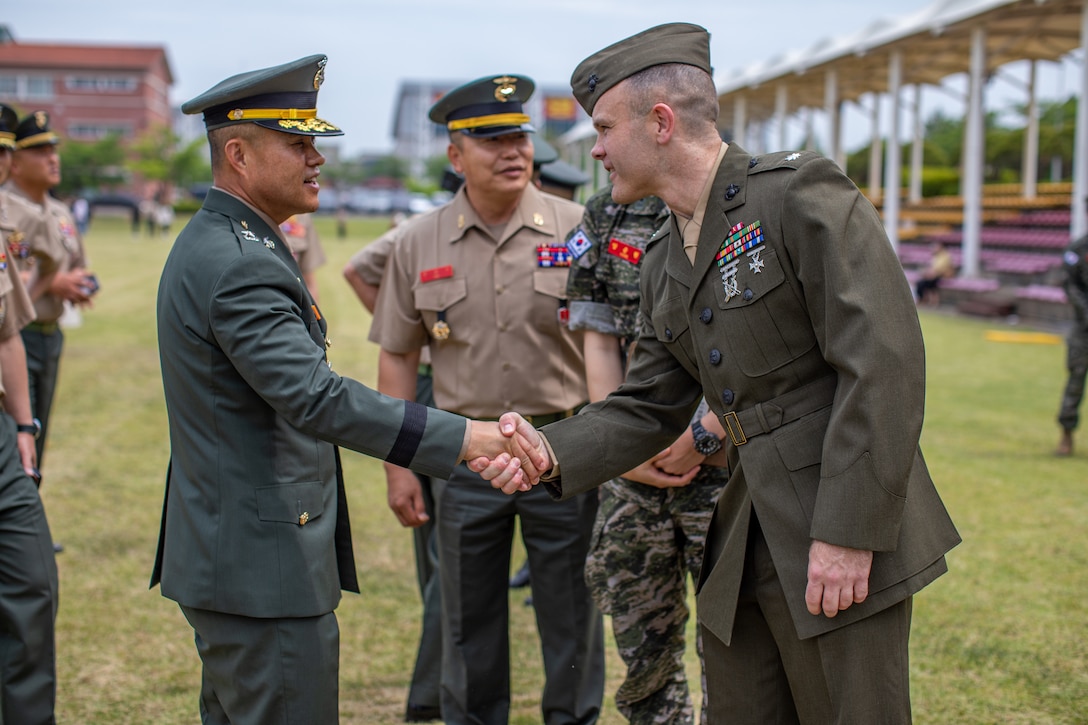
(892, 163)
(1079, 223)
(974, 157)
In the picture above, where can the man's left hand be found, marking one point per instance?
(837, 577)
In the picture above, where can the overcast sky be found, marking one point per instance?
(372, 45)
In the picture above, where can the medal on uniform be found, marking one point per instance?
(743, 239)
(269, 243)
(440, 330)
(552, 256)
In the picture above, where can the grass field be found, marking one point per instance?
(1002, 638)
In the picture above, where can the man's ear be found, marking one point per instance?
(663, 119)
(235, 151)
(454, 155)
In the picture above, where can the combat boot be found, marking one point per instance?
(1065, 445)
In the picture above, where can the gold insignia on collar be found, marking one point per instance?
(505, 86)
(244, 223)
(319, 78)
(538, 219)
(460, 221)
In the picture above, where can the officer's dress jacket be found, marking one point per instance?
(250, 517)
(820, 301)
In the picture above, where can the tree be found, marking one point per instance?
(156, 157)
(90, 166)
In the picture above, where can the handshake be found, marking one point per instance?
(510, 453)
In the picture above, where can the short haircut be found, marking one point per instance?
(688, 90)
(218, 138)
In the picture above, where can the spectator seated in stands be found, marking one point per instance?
(940, 267)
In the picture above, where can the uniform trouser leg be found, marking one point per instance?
(636, 574)
(858, 673)
(476, 529)
(43, 365)
(556, 536)
(28, 594)
(1076, 363)
(267, 671)
(424, 689)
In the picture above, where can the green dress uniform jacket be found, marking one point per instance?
(807, 344)
(250, 520)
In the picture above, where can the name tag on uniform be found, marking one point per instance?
(435, 273)
(624, 251)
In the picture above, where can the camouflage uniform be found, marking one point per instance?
(645, 539)
(1076, 289)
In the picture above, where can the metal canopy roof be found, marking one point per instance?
(935, 43)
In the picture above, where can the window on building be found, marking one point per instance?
(39, 87)
(95, 131)
(100, 84)
(9, 85)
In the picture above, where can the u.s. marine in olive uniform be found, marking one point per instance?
(651, 525)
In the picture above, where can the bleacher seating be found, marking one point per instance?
(1020, 255)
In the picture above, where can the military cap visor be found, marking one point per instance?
(486, 107)
(671, 43)
(282, 98)
(8, 121)
(34, 131)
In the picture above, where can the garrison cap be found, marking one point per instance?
(34, 131)
(282, 98)
(671, 43)
(490, 106)
(8, 121)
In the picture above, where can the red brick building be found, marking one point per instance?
(89, 91)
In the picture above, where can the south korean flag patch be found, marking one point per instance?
(579, 244)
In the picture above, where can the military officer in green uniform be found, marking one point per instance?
(651, 523)
(28, 571)
(255, 544)
(774, 294)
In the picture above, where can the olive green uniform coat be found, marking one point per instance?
(250, 522)
(822, 315)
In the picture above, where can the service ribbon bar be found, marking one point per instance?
(741, 238)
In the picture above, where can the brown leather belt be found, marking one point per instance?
(539, 419)
(777, 412)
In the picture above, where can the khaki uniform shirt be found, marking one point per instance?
(55, 245)
(501, 300)
(303, 241)
(16, 310)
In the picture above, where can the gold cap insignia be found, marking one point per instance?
(41, 119)
(505, 86)
(319, 78)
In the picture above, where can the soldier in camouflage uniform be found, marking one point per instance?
(1076, 290)
(647, 535)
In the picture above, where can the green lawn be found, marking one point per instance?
(1003, 638)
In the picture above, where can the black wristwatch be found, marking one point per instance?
(34, 429)
(704, 442)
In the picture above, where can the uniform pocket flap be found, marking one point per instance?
(292, 503)
(551, 281)
(440, 294)
(801, 444)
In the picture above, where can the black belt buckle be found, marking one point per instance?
(733, 427)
